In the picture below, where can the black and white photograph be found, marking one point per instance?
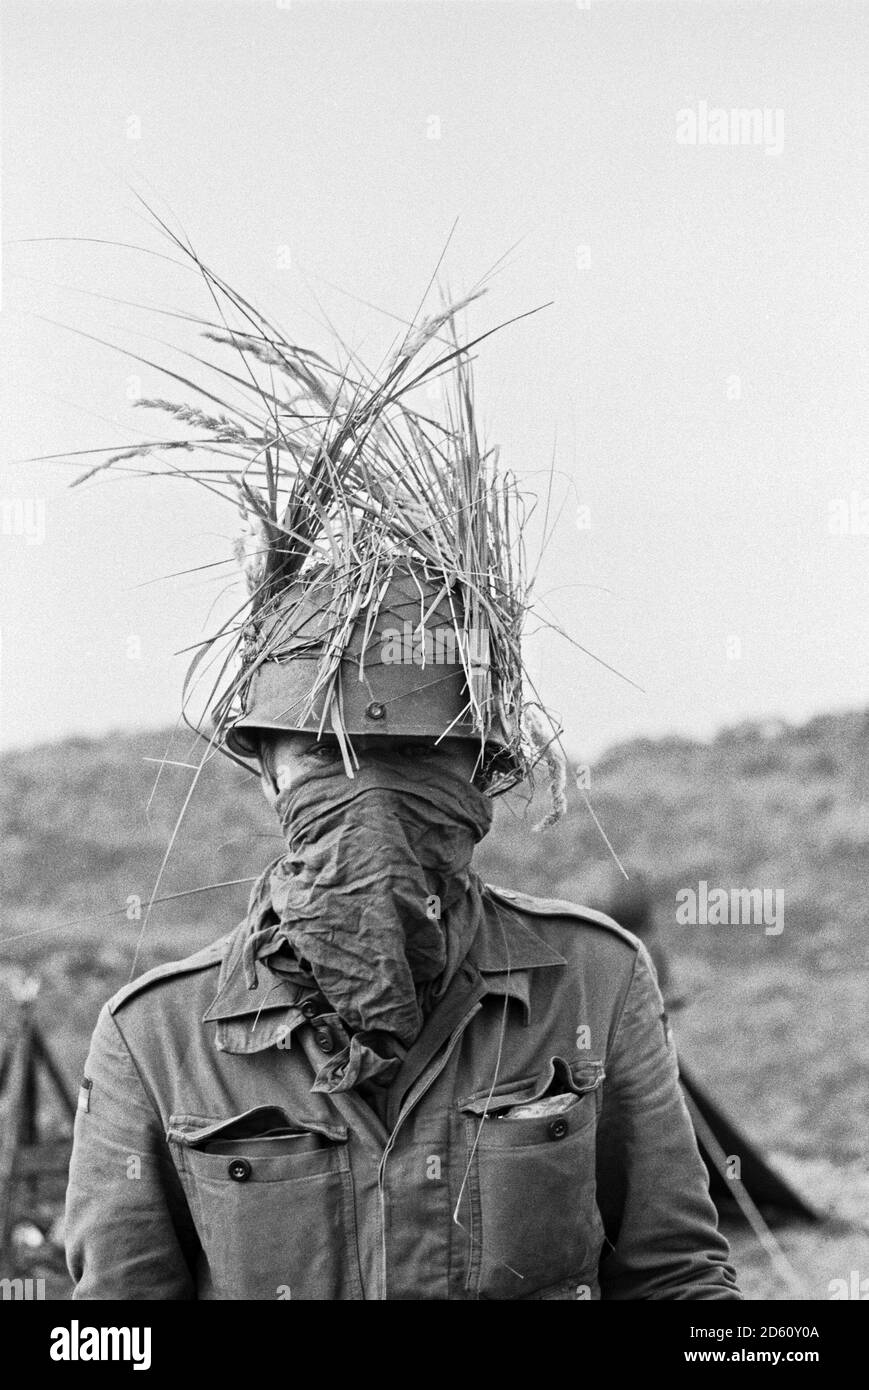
(434, 668)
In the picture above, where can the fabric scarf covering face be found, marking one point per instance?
(374, 903)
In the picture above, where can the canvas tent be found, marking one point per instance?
(767, 1189)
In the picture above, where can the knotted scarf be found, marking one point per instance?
(374, 903)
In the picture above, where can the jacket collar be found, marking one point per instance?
(234, 999)
(505, 949)
(505, 942)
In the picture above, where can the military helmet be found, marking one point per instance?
(406, 669)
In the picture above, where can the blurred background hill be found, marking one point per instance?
(775, 1025)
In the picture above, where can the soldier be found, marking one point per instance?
(391, 1080)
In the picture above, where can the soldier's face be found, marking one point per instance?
(288, 759)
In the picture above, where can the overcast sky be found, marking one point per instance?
(700, 376)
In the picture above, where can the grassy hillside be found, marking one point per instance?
(775, 1024)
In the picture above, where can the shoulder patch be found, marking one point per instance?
(559, 907)
(205, 959)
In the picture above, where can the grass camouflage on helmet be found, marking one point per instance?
(372, 533)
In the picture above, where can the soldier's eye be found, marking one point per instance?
(324, 752)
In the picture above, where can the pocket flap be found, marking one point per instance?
(261, 1124)
(557, 1078)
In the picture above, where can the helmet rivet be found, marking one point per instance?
(375, 710)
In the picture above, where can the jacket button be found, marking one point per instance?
(309, 1009)
(324, 1040)
(557, 1128)
(239, 1170)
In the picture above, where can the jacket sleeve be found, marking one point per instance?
(653, 1192)
(128, 1229)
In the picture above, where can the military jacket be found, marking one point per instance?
(535, 1143)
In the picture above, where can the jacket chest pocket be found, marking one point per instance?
(534, 1223)
(273, 1205)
